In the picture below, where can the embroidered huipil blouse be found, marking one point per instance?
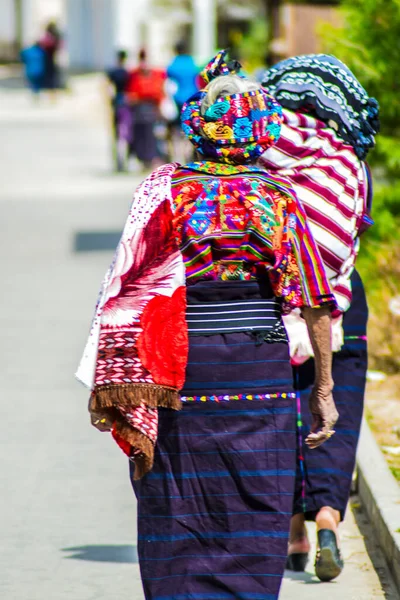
(238, 223)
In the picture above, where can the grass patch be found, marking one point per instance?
(379, 267)
(396, 472)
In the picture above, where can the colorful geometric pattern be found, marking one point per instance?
(226, 398)
(235, 129)
(236, 222)
(218, 66)
(118, 360)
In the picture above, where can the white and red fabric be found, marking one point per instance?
(331, 182)
(135, 358)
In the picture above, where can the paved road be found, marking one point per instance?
(67, 511)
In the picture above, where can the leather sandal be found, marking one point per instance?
(328, 562)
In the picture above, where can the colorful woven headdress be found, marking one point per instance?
(218, 66)
(324, 85)
(236, 129)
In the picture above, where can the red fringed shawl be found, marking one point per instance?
(136, 355)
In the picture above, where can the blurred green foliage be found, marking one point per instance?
(382, 241)
(253, 46)
(326, 2)
(368, 41)
(379, 266)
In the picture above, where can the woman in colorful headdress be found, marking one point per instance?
(329, 125)
(188, 358)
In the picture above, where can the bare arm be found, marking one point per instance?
(322, 405)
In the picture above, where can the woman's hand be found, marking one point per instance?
(325, 415)
(102, 422)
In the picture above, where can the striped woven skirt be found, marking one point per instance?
(214, 513)
(324, 475)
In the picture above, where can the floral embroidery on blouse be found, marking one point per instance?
(236, 222)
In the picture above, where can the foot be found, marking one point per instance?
(328, 563)
(328, 518)
(298, 538)
(299, 546)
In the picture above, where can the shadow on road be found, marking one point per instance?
(14, 82)
(95, 241)
(111, 554)
(303, 576)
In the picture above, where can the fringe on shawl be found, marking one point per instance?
(104, 399)
(132, 395)
(144, 448)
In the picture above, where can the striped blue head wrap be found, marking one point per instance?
(323, 85)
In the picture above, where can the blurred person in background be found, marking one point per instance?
(118, 76)
(51, 43)
(145, 92)
(33, 59)
(329, 124)
(183, 73)
(188, 358)
(121, 112)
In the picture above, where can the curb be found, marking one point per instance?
(379, 494)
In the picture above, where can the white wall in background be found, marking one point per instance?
(37, 13)
(6, 21)
(130, 17)
(95, 29)
(204, 28)
(90, 33)
(98, 28)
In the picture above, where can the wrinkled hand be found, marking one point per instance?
(325, 415)
(101, 422)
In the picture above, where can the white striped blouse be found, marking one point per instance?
(332, 184)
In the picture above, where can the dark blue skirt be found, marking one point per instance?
(214, 513)
(324, 476)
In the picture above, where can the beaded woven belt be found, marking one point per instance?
(227, 398)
